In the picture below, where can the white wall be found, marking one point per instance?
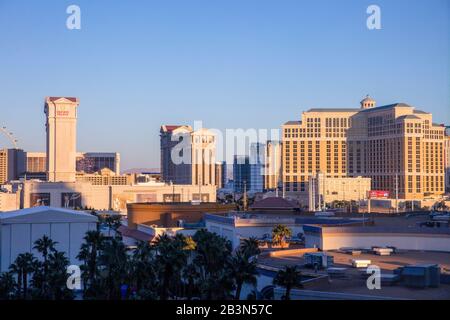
(224, 230)
(401, 241)
(19, 238)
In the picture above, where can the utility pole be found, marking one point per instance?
(244, 202)
(199, 187)
(313, 191)
(343, 195)
(173, 192)
(396, 193)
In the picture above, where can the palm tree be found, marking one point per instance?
(171, 257)
(89, 253)
(45, 246)
(242, 271)
(143, 268)
(211, 255)
(191, 277)
(280, 233)
(57, 277)
(24, 264)
(7, 285)
(115, 263)
(250, 247)
(111, 221)
(289, 277)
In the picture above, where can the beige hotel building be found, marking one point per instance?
(199, 158)
(317, 144)
(397, 146)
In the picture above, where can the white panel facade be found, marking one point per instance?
(405, 242)
(60, 233)
(38, 230)
(20, 229)
(5, 247)
(20, 239)
(77, 232)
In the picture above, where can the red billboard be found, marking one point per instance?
(378, 194)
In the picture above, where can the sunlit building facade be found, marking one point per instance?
(187, 156)
(447, 159)
(12, 164)
(61, 128)
(316, 144)
(397, 146)
(400, 149)
(272, 166)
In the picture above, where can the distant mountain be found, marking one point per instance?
(140, 170)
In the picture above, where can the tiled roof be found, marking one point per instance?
(68, 98)
(172, 127)
(389, 106)
(135, 234)
(293, 123)
(274, 203)
(334, 110)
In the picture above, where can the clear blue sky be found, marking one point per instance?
(232, 63)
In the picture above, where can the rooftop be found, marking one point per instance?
(135, 234)
(353, 283)
(52, 99)
(258, 219)
(293, 123)
(44, 212)
(274, 203)
(389, 106)
(334, 110)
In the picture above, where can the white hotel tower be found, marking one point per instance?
(61, 127)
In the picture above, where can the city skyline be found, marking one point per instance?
(135, 91)
(223, 151)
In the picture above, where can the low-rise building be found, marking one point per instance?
(9, 201)
(324, 191)
(404, 238)
(170, 215)
(235, 226)
(106, 177)
(83, 194)
(20, 229)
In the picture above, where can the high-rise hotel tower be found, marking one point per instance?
(397, 146)
(61, 127)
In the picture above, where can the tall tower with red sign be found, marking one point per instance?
(61, 128)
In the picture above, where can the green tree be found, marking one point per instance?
(170, 259)
(280, 233)
(211, 255)
(111, 221)
(250, 247)
(89, 255)
(243, 271)
(45, 246)
(23, 266)
(143, 275)
(289, 277)
(115, 265)
(8, 286)
(57, 277)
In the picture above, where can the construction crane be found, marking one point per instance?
(9, 136)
